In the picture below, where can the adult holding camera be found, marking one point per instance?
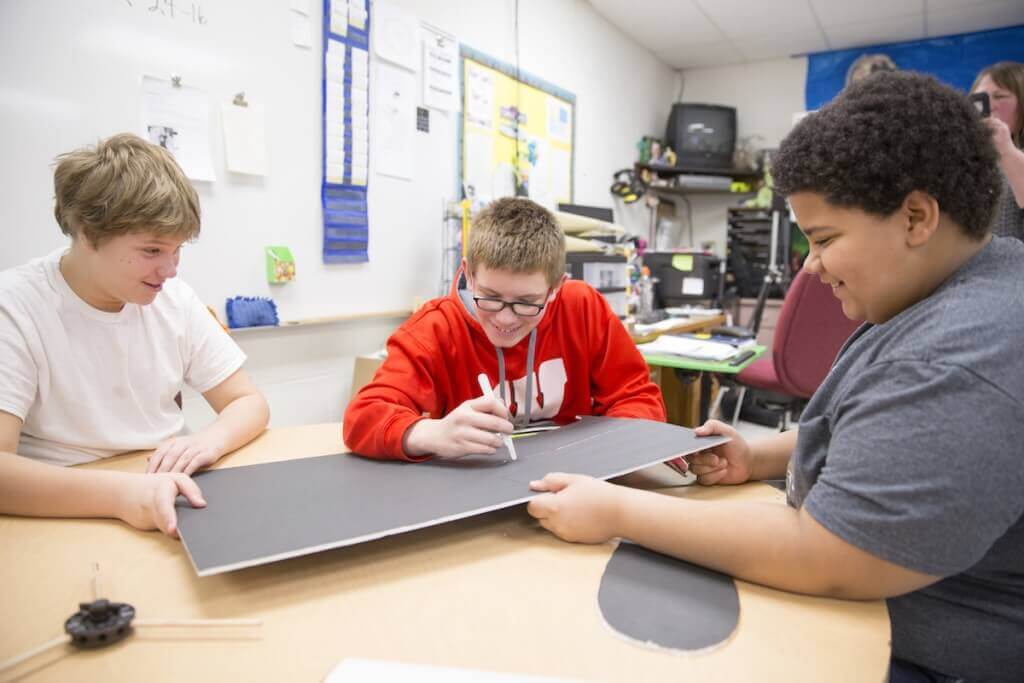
(1003, 82)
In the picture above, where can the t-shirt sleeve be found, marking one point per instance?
(211, 354)
(18, 373)
(922, 467)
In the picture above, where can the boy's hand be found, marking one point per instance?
(184, 454)
(147, 502)
(475, 427)
(730, 463)
(577, 508)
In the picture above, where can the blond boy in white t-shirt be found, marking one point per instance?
(97, 340)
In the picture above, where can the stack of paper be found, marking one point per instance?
(690, 348)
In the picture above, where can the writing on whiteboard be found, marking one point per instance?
(171, 9)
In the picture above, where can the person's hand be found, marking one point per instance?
(147, 501)
(577, 508)
(475, 427)
(729, 463)
(184, 454)
(1001, 137)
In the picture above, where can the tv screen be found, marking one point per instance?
(703, 136)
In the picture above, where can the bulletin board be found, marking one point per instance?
(517, 133)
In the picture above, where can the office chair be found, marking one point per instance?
(810, 331)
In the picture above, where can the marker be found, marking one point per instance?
(485, 386)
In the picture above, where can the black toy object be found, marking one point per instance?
(99, 623)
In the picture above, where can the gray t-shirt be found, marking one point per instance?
(913, 450)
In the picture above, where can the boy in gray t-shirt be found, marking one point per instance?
(906, 477)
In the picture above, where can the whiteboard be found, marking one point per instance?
(71, 73)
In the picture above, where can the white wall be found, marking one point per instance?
(622, 92)
(766, 95)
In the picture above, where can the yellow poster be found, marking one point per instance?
(517, 134)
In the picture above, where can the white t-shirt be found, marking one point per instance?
(89, 384)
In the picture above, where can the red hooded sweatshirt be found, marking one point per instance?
(584, 363)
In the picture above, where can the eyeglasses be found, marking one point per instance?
(520, 308)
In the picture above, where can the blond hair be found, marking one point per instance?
(123, 185)
(517, 235)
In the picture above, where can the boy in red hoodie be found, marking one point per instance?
(551, 349)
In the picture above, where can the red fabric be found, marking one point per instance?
(760, 375)
(810, 331)
(434, 359)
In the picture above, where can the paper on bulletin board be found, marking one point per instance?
(245, 144)
(394, 120)
(395, 35)
(177, 117)
(480, 96)
(440, 71)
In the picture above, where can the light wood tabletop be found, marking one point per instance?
(493, 593)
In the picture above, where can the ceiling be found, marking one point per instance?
(690, 34)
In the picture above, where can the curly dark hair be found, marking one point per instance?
(890, 134)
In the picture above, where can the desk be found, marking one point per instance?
(495, 592)
(704, 370)
(682, 399)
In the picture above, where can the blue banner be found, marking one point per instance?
(954, 60)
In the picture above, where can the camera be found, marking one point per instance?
(981, 103)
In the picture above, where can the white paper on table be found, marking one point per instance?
(178, 119)
(394, 121)
(300, 6)
(245, 138)
(440, 71)
(480, 97)
(395, 35)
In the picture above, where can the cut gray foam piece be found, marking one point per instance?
(659, 601)
(258, 514)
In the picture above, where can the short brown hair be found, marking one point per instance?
(1008, 75)
(123, 185)
(517, 235)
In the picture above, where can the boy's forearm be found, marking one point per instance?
(36, 489)
(240, 422)
(758, 542)
(770, 455)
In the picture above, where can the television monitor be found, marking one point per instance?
(703, 136)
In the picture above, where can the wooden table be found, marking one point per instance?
(495, 593)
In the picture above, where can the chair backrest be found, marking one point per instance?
(810, 331)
